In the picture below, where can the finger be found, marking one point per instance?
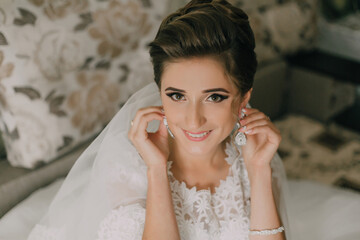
(143, 111)
(162, 128)
(260, 122)
(252, 124)
(142, 120)
(138, 130)
(273, 136)
(141, 133)
(248, 111)
(255, 115)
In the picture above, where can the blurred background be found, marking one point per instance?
(66, 67)
(319, 112)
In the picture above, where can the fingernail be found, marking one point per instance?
(248, 131)
(243, 110)
(243, 128)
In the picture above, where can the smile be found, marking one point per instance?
(197, 136)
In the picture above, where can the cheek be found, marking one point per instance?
(228, 122)
(222, 115)
(225, 111)
(228, 117)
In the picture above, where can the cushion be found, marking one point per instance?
(311, 150)
(280, 27)
(66, 67)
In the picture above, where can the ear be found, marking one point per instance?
(246, 99)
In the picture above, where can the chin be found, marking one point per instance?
(198, 150)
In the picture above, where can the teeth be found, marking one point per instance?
(197, 135)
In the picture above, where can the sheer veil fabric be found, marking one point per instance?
(111, 173)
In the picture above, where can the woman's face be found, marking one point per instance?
(197, 99)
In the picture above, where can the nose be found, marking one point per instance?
(194, 117)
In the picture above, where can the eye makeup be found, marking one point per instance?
(178, 94)
(175, 96)
(216, 98)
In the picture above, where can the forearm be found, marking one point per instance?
(264, 214)
(160, 221)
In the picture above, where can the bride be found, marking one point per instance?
(185, 158)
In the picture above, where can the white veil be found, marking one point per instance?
(281, 192)
(110, 173)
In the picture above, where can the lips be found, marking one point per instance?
(200, 136)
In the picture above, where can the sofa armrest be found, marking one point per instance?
(17, 183)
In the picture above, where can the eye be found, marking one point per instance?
(176, 96)
(217, 98)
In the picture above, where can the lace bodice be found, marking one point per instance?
(200, 214)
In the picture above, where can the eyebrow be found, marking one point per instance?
(205, 91)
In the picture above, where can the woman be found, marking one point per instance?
(187, 178)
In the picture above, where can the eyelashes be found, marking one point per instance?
(217, 97)
(176, 96)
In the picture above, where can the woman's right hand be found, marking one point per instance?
(153, 147)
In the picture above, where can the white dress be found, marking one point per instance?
(200, 214)
(104, 194)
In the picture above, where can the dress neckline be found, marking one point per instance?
(231, 153)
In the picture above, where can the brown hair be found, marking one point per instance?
(208, 29)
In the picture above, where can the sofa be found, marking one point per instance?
(66, 67)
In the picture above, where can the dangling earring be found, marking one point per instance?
(240, 138)
(167, 126)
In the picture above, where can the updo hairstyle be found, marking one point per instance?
(205, 28)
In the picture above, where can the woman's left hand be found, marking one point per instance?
(263, 138)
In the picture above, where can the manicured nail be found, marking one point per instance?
(243, 110)
(248, 131)
(243, 128)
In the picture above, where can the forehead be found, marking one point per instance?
(195, 74)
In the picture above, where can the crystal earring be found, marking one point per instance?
(240, 138)
(167, 126)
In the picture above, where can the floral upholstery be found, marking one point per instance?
(314, 151)
(66, 67)
(280, 26)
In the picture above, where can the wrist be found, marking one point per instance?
(157, 178)
(157, 170)
(259, 173)
(255, 167)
